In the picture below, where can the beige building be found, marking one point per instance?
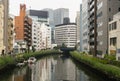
(114, 36)
(1, 27)
(10, 34)
(4, 9)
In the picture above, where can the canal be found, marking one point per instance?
(52, 68)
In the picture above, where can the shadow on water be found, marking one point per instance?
(93, 76)
(6, 74)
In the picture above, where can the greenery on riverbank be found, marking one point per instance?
(98, 64)
(10, 60)
(5, 61)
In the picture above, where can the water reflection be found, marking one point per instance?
(58, 68)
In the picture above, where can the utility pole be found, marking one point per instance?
(95, 28)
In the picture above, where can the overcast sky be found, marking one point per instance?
(73, 5)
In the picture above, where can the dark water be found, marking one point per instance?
(55, 68)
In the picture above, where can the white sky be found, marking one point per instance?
(73, 5)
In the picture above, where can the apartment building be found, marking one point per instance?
(114, 36)
(105, 11)
(23, 26)
(45, 36)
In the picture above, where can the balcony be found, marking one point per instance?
(91, 1)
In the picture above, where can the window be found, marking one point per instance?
(113, 41)
(110, 27)
(99, 14)
(119, 9)
(109, 9)
(109, 19)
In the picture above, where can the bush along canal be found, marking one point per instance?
(9, 62)
(97, 65)
(52, 68)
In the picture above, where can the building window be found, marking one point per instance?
(109, 19)
(109, 9)
(100, 33)
(110, 27)
(99, 14)
(119, 9)
(113, 41)
(113, 26)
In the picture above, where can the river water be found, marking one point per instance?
(54, 68)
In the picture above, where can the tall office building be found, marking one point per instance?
(4, 24)
(66, 34)
(105, 11)
(85, 24)
(60, 14)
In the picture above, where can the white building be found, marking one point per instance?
(38, 17)
(114, 36)
(45, 36)
(36, 35)
(85, 23)
(66, 33)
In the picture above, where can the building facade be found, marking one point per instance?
(78, 30)
(10, 34)
(81, 36)
(66, 34)
(45, 31)
(60, 14)
(1, 27)
(39, 17)
(85, 37)
(51, 22)
(23, 26)
(4, 24)
(105, 11)
(114, 38)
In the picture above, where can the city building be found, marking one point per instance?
(105, 11)
(66, 34)
(51, 22)
(38, 17)
(10, 34)
(81, 36)
(78, 30)
(1, 27)
(114, 36)
(4, 25)
(23, 26)
(60, 14)
(36, 39)
(85, 36)
(45, 31)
